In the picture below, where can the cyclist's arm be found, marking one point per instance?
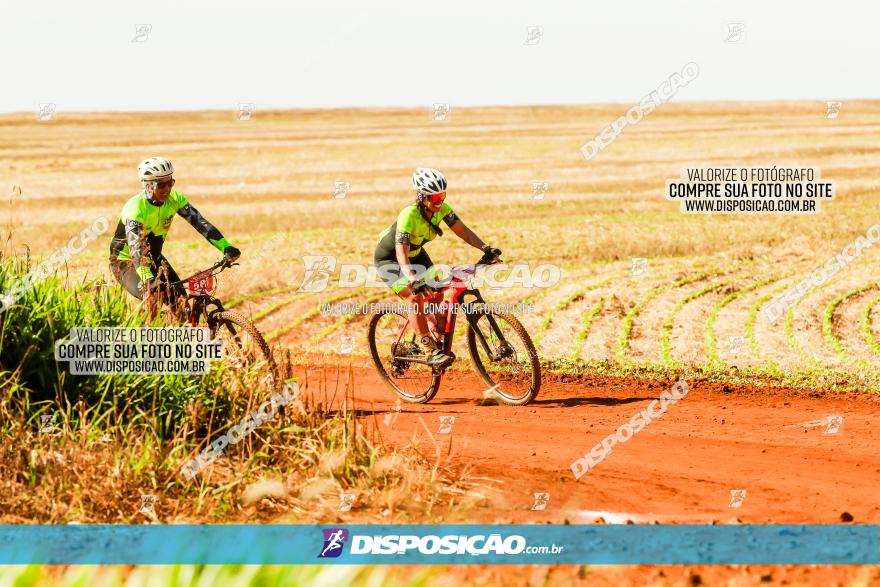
(205, 228)
(406, 269)
(134, 236)
(402, 246)
(467, 235)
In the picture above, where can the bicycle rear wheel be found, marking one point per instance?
(505, 358)
(413, 382)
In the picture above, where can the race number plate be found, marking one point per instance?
(200, 284)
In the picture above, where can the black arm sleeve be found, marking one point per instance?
(205, 228)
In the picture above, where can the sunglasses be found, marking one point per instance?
(436, 198)
(151, 186)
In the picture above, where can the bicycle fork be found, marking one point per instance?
(473, 318)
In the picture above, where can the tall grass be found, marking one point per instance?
(242, 575)
(35, 383)
(117, 437)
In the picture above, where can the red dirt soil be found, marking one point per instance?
(680, 468)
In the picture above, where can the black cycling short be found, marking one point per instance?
(390, 271)
(125, 274)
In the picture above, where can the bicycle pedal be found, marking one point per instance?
(440, 369)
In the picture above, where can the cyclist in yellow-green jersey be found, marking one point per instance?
(402, 261)
(136, 248)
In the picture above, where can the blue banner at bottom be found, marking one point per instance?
(440, 544)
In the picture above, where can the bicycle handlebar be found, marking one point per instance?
(486, 259)
(222, 264)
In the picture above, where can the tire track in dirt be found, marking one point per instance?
(620, 297)
(803, 323)
(843, 326)
(632, 326)
(726, 325)
(766, 340)
(687, 323)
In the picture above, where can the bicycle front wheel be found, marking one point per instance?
(243, 344)
(505, 357)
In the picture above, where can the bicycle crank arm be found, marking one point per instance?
(411, 360)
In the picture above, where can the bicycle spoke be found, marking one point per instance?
(412, 381)
(509, 365)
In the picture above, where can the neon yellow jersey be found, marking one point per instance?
(413, 228)
(156, 220)
(142, 222)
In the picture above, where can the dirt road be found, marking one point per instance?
(773, 444)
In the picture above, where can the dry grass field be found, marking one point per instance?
(268, 184)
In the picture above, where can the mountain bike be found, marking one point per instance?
(500, 348)
(243, 344)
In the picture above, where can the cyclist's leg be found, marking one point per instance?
(399, 283)
(390, 272)
(424, 267)
(125, 274)
(169, 276)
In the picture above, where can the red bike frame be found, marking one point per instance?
(459, 290)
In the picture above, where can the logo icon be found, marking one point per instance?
(539, 188)
(346, 345)
(833, 424)
(346, 500)
(534, 34)
(832, 109)
(317, 273)
(391, 417)
(639, 266)
(142, 33)
(737, 497)
(446, 423)
(6, 301)
(735, 344)
(246, 111)
(440, 111)
(541, 501)
(45, 111)
(736, 32)
(340, 189)
(334, 539)
(48, 423)
(148, 502)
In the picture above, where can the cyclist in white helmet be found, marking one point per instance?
(402, 261)
(136, 248)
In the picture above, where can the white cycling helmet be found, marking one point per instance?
(154, 168)
(427, 181)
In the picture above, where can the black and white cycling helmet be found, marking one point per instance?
(427, 181)
(155, 168)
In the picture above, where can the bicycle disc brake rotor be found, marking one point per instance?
(505, 351)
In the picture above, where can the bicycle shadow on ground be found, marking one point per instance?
(363, 412)
(563, 402)
(571, 402)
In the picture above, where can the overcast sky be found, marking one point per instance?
(199, 54)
